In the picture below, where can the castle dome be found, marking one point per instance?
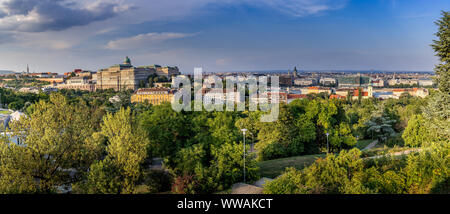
(127, 61)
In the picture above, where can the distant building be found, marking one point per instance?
(395, 93)
(154, 96)
(221, 95)
(317, 90)
(286, 80)
(365, 93)
(327, 81)
(377, 83)
(353, 81)
(125, 76)
(393, 82)
(44, 75)
(49, 89)
(425, 82)
(33, 90)
(305, 81)
(78, 83)
(337, 96)
(344, 92)
(295, 74)
(292, 97)
(51, 80)
(415, 92)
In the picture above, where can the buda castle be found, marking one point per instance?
(120, 77)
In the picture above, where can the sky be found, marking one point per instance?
(219, 35)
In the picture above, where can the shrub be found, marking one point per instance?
(158, 181)
(184, 185)
(395, 141)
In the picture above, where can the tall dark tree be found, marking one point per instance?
(442, 49)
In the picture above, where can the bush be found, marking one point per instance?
(334, 174)
(395, 141)
(184, 185)
(158, 181)
(291, 182)
(416, 133)
(428, 171)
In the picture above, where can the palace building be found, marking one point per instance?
(127, 77)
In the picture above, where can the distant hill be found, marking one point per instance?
(4, 72)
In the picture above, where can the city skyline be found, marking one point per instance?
(58, 36)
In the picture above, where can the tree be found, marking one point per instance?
(428, 170)
(250, 121)
(332, 175)
(222, 128)
(227, 166)
(342, 137)
(280, 138)
(442, 49)
(416, 133)
(380, 128)
(126, 148)
(168, 130)
(54, 149)
(206, 169)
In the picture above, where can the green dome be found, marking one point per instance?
(127, 60)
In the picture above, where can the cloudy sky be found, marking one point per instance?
(219, 35)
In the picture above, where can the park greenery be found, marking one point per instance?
(100, 142)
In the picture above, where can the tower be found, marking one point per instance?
(370, 91)
(28, 69)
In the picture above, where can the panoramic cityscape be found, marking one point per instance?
(252, 98)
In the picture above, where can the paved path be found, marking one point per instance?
(371, 145)
(406, 152)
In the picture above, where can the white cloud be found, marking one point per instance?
(298, 8)
(143, 40)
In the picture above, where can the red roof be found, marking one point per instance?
(296, 96)
(337, 96)
(364, 93)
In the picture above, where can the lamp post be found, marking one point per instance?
(244, 131)
(328, 147)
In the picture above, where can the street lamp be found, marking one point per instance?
(328, 148)
(244, 131)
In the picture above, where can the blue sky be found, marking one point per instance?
(225, 35)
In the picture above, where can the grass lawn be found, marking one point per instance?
(361, 144)
(273, 168)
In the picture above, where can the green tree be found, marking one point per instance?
(416, 133)
(280, 138)
(54, 149)
(334, 174)
(228, 164)
(169, 131)
(126, 148)
(428, 171)
(380, 128)
(442, 49)
(342, 137)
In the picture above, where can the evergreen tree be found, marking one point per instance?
(442, 49)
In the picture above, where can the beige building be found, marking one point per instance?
(125, 76)
(154, 96)
(78, 83)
